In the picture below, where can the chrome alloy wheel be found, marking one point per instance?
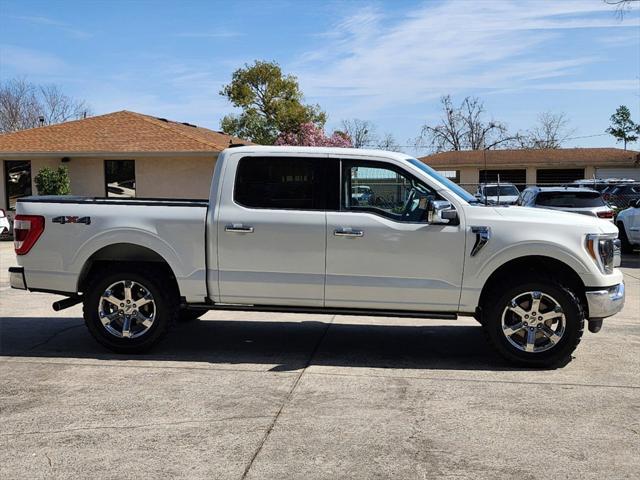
(533, 322)
(127, 309)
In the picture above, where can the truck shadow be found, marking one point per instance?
(283, 345)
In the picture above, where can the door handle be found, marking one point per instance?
(348, 232)
(238, 228)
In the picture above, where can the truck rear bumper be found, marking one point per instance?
(606, 301)
(16, 278)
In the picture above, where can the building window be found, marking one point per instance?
(120, 178)
(517, 177)
(17, 180)
(558, 176)
(453, 175)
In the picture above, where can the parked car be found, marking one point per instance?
(362, 194)
(620, 195)
(279, 234)
(502, 194)
(584, 201)
(600, 184)
(628, 222)
(5, 226)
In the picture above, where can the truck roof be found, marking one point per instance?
(318, 150)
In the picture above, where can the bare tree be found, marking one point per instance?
(464, 128)
(361, 132)
(26, 105)
(622, 6)
(551, 131)
(388, 142)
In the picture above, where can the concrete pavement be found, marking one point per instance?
(253, 395)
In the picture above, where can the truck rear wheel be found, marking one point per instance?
(129, 311)
(537, 323)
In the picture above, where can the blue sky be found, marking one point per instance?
(387, 62)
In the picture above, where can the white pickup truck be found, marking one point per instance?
(283, 230)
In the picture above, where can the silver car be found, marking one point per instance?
(584, 201)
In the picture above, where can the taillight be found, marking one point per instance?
(605, 214)
(26, 231)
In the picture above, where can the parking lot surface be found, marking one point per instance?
(271, 396)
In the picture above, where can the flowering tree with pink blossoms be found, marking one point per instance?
(311, 135)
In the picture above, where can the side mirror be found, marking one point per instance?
(440, 212)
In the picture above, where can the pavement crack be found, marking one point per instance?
(51, 337)
(288, 397)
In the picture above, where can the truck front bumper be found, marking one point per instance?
(606, 301)
(16, 278)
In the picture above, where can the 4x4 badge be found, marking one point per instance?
(63, 220)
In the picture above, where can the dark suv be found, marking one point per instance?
(621, 196)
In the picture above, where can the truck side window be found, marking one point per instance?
(284, 183)
(384, 190)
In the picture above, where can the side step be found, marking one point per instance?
(323, 310)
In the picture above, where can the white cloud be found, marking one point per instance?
(51, 22)
(377, 60)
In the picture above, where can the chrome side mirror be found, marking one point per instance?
(441, 212)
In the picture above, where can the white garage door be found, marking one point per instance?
(633, 173)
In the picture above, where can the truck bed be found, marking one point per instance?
(80, 229)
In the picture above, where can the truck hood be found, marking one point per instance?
(585, 223)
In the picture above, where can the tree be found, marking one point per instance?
(361, 132)
(622, 127)
(622, 6)
(388, 142)
(51, 181)
(27, 105)
(271, 104)
(551, 131)
(311, 135)
(464, 128)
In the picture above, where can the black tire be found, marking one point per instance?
(560, 352)
(166, 308)
(625, 245)
(186, 315)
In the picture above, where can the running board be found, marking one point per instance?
(323, 310)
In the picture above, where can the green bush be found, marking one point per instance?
(51, 181)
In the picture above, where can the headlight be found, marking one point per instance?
(602, 250)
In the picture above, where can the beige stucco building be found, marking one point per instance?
(536, 167)
(121, 154)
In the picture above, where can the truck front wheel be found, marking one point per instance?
(129, 311)
(537, 323)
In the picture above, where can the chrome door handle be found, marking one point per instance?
(348, 232)
(238, 228)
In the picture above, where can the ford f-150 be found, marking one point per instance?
(285, 230)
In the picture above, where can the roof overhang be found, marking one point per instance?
(114, 155)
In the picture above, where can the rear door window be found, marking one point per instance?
(288, 183)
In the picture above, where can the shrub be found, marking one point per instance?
(51, 181)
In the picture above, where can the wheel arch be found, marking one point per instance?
(123, 253)
(535, 264)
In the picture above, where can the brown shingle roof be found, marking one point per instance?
(562, 158)
(120, 132)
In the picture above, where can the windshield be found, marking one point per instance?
(570, 199)
(454, 187)
(509, 190)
